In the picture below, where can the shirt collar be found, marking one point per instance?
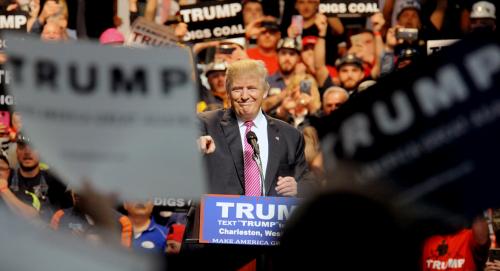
(151, 226)
(258, 122)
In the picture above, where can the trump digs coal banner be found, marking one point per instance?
(343, 8)
(112, 115)
(213, 20)
(431, 130)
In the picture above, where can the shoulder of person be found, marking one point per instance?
(211, 114)
(283, 126)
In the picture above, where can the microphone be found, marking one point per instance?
(252, 140)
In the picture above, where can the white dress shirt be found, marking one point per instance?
(260, 130)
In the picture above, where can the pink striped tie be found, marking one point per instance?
(252, 174)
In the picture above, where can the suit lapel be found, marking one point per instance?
(275, 149)
(231, 131)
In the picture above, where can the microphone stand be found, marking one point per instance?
(256, 158)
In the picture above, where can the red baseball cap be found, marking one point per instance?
(309, 40)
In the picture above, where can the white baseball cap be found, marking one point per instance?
(483, 10)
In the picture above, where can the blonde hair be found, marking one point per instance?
(246, 67)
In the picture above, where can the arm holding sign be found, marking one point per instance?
(336, 25)
(378, 23)
(149, 12)
(320, 50)
(437, 17)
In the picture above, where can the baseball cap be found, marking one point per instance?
(111, 35)
(408, 4)
(22, 139)
(236, 41)
(270, 25)
(309, 40)
(349, 59)
(215, 67)
(289, 43)
(483, 10)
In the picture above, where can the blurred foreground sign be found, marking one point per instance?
(244, 220)
(122, 117)
(49, 250)
(431, 130)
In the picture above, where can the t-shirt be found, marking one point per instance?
(50, 192)
(451, 252)
(270, 61)
(153, 239)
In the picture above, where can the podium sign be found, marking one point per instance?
(227, 219)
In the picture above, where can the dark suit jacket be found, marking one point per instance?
(225, 165)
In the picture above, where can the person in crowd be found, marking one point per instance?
(483, 17)
(466, 249)
(52, 32)
(159, 11)
(231, 168)
(288, 58)
(174, 238)
(302, 99)
(409, 15)
(252, 10)
(325, 76)
(350, 70)
(267, 40)
(112, 37)
(30, 191)
(148, 236)
(333, 98)
(308, 9)
(253, 16)
(216, 96)
(53, 11)
(229, 50)
(77, 221)
(8, 136)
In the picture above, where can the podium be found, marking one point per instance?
(225, 232)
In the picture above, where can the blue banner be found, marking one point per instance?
(227, 219)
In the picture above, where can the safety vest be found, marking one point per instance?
(40, 193)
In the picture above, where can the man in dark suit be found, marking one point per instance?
(227, 152)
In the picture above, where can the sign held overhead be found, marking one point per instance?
(113, 115)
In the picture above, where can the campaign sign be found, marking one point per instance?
(120, 117)
(213, 20)
(348, 9)
(226, 219)
(434, 46)
(13, 21)
(145, 34)
(430, 130)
